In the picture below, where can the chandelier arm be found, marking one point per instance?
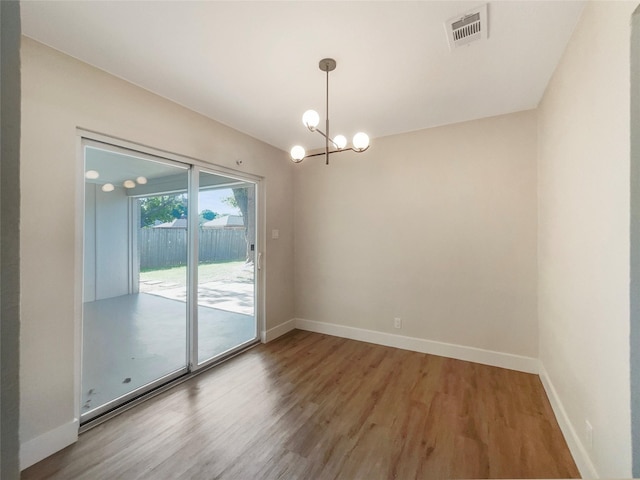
(321, 132)
(324, 153)
(329, 152)
(328, 138)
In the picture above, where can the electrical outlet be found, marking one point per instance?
(397, 322)
(588, 435)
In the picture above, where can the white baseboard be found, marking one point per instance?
(578, 451)
(460, 352)
(39, 448)
(278, 331)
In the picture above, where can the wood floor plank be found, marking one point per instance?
(312, 406)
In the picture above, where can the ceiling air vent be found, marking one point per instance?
(468, 27)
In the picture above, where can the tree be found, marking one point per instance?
(244, 198)
(207, 215)
(162, 208)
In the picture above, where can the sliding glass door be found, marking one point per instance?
(131, 337)
(165, 291)
(226, 265)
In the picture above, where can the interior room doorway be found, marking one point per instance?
(169, 272)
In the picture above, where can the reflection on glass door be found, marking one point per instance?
(226, 266)
(134, 332)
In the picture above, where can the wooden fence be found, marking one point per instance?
(167, 247)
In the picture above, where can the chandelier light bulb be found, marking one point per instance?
(108, 187)
(360, 141)
(297, 153)
(141, 180)
(340, 141)
(91, 175)
(310, 119)
(128, 184)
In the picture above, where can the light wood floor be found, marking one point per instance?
(312, 406)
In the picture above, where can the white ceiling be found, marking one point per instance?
(254, 65)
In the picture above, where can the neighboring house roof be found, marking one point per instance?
(229, 221)
(176, 223)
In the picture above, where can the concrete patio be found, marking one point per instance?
(133, 340)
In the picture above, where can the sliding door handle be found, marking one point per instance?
(259, 260)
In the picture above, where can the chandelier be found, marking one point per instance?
(311, 120)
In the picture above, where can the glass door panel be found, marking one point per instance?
(226, 313)
(135, 276)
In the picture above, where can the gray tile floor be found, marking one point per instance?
(132, 340)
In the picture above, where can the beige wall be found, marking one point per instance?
(60, 94)
(584, 233)
(437, 227)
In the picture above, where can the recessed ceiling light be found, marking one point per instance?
(128, 184)
(108, 187)
(141, 180)
(91, 174)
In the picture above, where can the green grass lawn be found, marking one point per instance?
(209, 272)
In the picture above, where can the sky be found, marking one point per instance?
(212, 200)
